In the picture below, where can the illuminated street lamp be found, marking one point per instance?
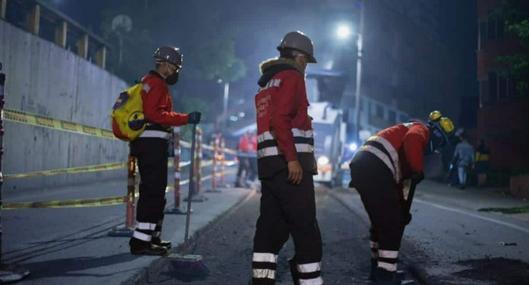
(344, 32)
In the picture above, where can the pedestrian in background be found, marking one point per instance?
(243, 149)
(463, 159)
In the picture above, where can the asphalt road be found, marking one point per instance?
(226, 247)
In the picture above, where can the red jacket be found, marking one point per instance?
(244, 143)
(157, 102)
(284, 127)
(403, 145)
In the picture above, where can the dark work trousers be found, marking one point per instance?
(152, 162)
(383, 202)
(286, 209)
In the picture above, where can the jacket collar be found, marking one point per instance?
(272, 66)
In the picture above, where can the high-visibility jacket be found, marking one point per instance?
(284, 128)
(158, 105)
(401, 148)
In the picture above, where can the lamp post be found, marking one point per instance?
(344, 32)
(359, 46)
(223, 122)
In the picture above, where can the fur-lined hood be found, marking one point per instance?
(271, 67)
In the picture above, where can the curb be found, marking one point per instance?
(159, 263)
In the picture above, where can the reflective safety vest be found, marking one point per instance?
(284, 128)
(400, 148)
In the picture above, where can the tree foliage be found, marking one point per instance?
(516, 16)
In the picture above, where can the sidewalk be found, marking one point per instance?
(71, 246)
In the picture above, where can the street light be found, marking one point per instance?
(343, 32)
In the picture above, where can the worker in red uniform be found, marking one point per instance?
(378, 172)
(151, 150)
(243, 149)
(286, 165)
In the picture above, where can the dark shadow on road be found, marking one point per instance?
(501, 271)
(70, 240)
(69, 266)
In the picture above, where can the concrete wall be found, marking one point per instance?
(48, 80)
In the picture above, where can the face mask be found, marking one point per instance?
(172, 79)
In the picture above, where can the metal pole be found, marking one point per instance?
(176, 165)
(225, 102)
(2, 82)
(8, 273)
(199, 161)
(359, 46)
(191, 183)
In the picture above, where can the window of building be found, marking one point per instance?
(380, 111)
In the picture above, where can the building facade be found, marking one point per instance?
(503, 114)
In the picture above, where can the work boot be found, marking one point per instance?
(374, 264)
(159, 242)
(156, 235)
(139, 247)
(385, 277)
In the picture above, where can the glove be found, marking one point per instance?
(193, 118)
(417, 177)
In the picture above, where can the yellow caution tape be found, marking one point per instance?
(84, 203)
(82, 169)
(46, 122)
(78, 203)
(71, 170)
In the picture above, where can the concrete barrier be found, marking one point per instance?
(45, 79)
